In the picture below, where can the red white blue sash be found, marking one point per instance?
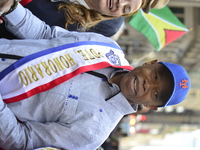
(44, 70)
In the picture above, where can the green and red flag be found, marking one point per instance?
(160, 26)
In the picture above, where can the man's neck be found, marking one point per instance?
(117, 78)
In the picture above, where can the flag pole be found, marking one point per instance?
(143, 57)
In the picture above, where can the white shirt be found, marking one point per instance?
(81, 124)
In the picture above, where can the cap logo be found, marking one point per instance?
(183, 84)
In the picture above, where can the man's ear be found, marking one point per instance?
(151, 62)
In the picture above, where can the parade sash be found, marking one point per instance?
(46, 69)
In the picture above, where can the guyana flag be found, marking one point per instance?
(160, 26)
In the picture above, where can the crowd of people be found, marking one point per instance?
(66, 88)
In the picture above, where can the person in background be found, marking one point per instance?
(89, 15)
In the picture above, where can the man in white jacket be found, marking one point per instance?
(69, 90)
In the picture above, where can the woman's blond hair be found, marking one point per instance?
(85, 18)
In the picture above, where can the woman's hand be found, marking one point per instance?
(5, 6)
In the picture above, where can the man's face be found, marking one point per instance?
(147, 85)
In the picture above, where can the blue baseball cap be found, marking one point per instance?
(182, 83)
